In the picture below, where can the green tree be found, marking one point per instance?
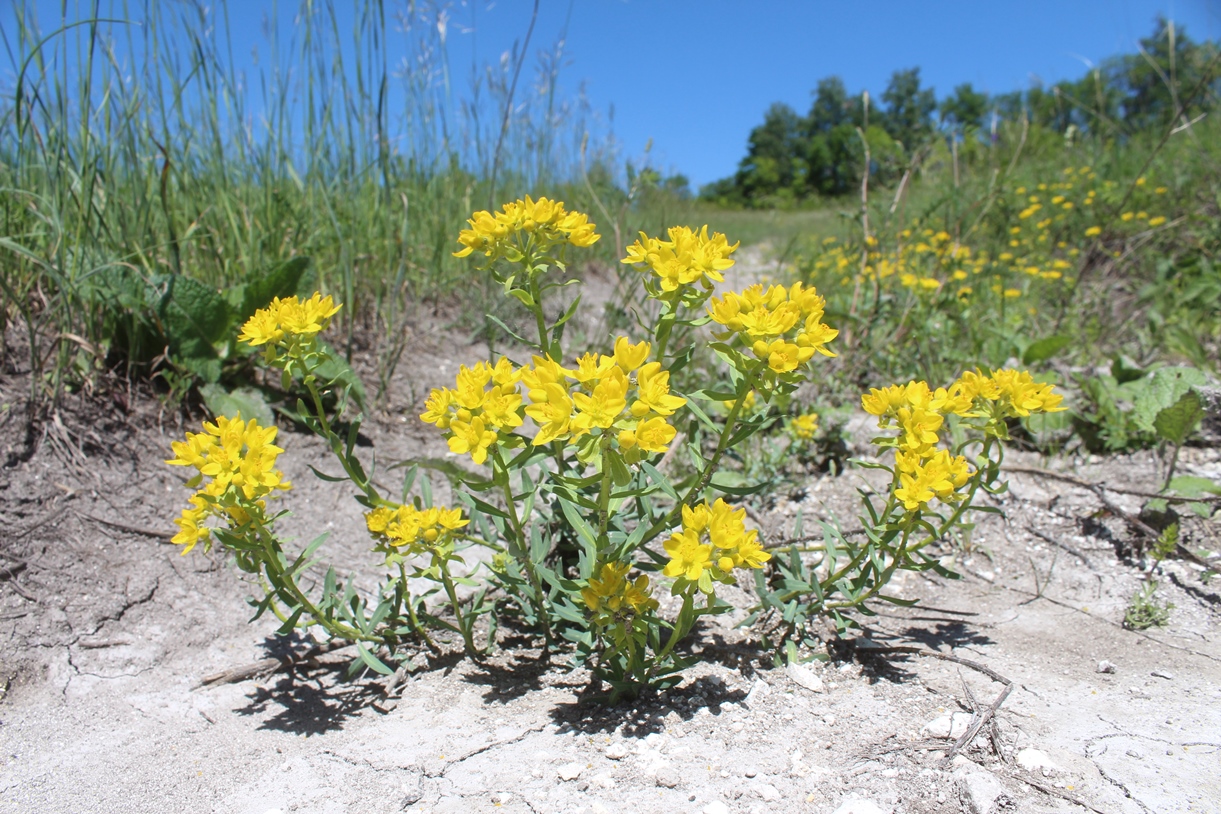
(966, 108)
(831, 149)
(772, 161)
(909, 108)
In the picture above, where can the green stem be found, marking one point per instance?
(540, 320)
(665, 328)
(604, 491)
(336, 443)
(286, 587)
(519, 546)
(411, 614)
(676, 633)
(451, 592)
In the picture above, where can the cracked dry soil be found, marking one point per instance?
(106, 633)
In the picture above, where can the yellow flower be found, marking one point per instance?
(688, 257)
(651, 435)
(438, 407)
(239, 460)
(884, 402)
(688, 556)
(713, 542)
(919, 426)
(405, 526)
(629, 356)
(523, 224)
(653, 392)
(287, 318)
(191, 530)
(1157, 221)
(602, 408)
(471, 436)
(611, 591)
(804, 427)
(551, 411)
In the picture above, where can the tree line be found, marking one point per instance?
(792, 158)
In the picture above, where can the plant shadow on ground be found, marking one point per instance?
(880, 664)
(319, 696)
(647, 713)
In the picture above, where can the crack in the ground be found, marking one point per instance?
(486, 748)
(1124, 789)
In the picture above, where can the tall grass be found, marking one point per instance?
(132, 141)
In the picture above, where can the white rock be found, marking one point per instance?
(604, 781)
(617, 751)
(981, 791)
(768, 793)
(1105, 666)
(860, 806)
(715, 807)
(654, 740)
(570, 771)
(760, 689)
(803, 676)
(1035, 760)
(667, 777)
(948, 726)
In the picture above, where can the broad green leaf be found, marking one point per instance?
(246, 402)
(281, 280)
(1177, 422)
(1192, 486)
(1045, 349)
(1163, 388)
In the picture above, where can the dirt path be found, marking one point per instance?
(105, 633)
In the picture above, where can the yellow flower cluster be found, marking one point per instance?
(1014, 393)
(713, 542)
(525, 224)
(919, 413)
(621, 394)
(804, 427)
(285, 319)
(613, 594)
(924, 470)
(687, 258)
(238, 459)
(411, 528)
(779, 325)
(1045, 229)
(483, 406)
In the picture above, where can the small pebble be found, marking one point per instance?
(768, 793)
(570, 771)
(1163, 674)
(1105, 666)
(617, 751)
(751, 771)
(667, 777)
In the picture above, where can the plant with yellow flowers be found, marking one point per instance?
(236, 479)
(941, 447)
(568, 517)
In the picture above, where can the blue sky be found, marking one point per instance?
(695, 76)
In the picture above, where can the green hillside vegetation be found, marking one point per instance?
(794, 160)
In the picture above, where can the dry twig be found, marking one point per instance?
(268, 666)
(980, 717)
